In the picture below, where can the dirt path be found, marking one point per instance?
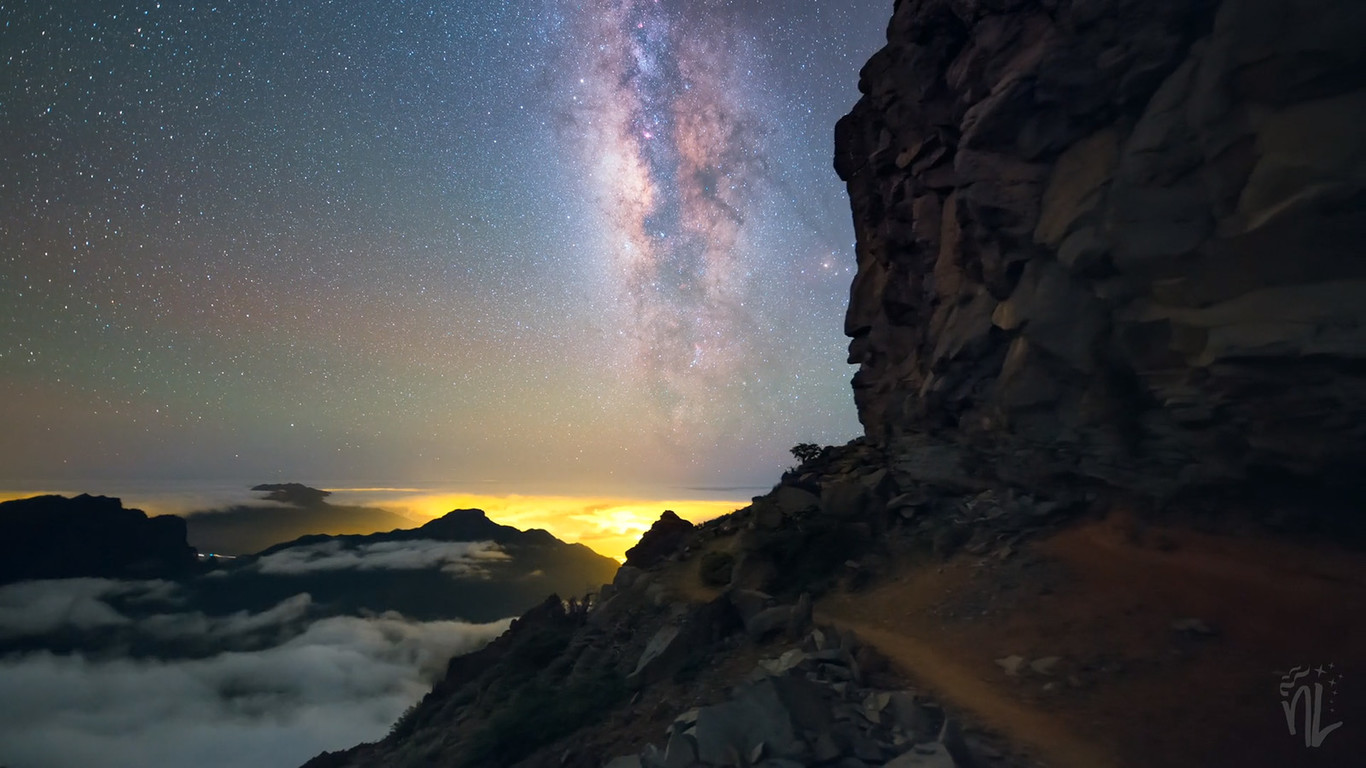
(1038, 734)
(1129, 689)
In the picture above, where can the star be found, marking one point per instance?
(196, 257)
(1321, 671)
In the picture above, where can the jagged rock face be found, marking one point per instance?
(1120, 237)
(665, 535)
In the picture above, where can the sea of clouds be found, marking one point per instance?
(305, 684)
(459, 558)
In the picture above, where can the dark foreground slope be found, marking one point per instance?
(848, 620)
(1109, 320)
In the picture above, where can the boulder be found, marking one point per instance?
(771, 716)
(1045, 665)
(845, 498)
(800, 619)
(663, 539)
(768, 622)
(793, 501)
(680, 752)
(749, 602)
(626, 577)
(681, 638)
(666, 649)
(754, 571)
(931, 755)
(1011, 664)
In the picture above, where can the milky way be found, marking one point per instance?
(460, 242)
(676, 156)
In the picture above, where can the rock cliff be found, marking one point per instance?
(1114, 239)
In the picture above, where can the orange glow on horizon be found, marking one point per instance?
(607, 525)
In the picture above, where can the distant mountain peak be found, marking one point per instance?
(467, 525)
(465, 514)
(296, 494)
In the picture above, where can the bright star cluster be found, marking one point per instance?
(587, 244)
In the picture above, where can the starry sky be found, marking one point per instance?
(531, 246)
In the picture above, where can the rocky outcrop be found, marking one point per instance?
(1113, 239)
(810, 702)
(663, 538)
(809, 705)
(476, 714)
(54, 537)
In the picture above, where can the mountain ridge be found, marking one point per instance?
(459, 567)
(55, 536)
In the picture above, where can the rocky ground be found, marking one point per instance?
(841, 621)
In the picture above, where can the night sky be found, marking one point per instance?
(569, 245)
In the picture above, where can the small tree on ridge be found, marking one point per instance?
(805, 452)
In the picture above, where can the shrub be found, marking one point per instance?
(805, 452)
(716, 568)
(404, 726)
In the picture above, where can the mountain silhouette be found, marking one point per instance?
(419, 572)
(53, 537)
(299, 510)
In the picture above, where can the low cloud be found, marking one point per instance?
(184, 625)
(40, 607)
(325, 685)
(459, 558)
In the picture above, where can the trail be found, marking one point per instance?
(1131, 690)
(1044, 737)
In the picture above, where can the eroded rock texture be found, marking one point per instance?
(1121, 239)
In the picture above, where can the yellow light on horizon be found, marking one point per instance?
(607, 525)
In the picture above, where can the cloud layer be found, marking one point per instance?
(327, 684)
(45, 606)
(459, 558)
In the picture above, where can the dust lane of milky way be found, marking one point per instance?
(675, 145)
(593, 243)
